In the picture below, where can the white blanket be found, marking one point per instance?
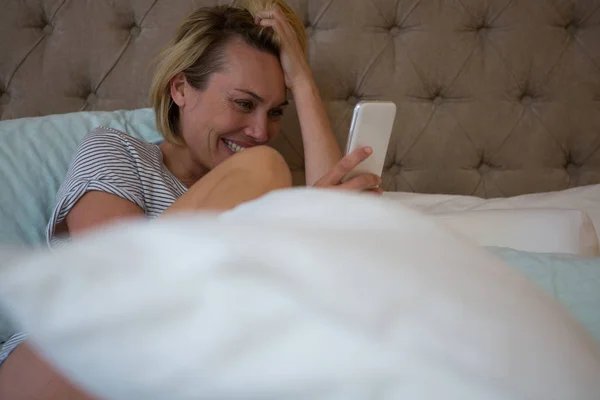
(303, 294)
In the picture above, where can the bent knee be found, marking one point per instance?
(267, 163)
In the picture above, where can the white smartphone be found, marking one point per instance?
(372, 124)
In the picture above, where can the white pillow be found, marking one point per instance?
(301, 294)
(533, 230)
(584, 198)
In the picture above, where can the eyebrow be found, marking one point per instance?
(258, 98)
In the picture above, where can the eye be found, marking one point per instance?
(245, 105)
(276, 113)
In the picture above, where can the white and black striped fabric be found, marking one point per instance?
(110, 161)
(7, 347)
(113, 162)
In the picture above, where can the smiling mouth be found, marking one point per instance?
(233, 147)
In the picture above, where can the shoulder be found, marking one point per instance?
(114, 146)
(110, 138)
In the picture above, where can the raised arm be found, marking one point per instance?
(324, 165)
(321, 151)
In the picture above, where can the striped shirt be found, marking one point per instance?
(110, 161)
(113, 162)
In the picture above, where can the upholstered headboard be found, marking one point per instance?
(495, 97)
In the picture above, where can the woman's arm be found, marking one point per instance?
(321, 151)
(26, 376)
(96, 209)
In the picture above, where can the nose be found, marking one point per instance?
(258, 129)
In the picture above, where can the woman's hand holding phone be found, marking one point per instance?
(362, 182)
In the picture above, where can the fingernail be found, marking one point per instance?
(368, 150)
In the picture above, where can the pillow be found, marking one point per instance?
(533, 230)
(303, 293)
(584, 198)
(34, 157)
(573, 281)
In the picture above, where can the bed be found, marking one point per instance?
(497, 135)
(481, 112)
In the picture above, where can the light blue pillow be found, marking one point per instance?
(34, 157)
(573, 281)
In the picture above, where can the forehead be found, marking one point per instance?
(252, 69)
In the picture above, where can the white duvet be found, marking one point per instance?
(303, 294)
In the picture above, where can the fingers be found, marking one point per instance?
(274, 13)
(273, 18)
(273, 23)
(292, 54)
(362, 182)
(348, 163)
(376, 191)
(344, 166)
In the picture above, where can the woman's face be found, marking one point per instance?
(240, 108)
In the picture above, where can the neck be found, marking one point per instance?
(179, 161)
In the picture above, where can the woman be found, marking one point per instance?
(219, 93)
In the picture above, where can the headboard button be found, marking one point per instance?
(352, 100)
(48, 29)
(135, 31)
(572, 169)
(569, 163)
(571, 28)
(484, 166)
(91, 98)
(395, 30)
(527, 96)
(478, 24)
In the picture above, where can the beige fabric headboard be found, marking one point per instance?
(495, 97)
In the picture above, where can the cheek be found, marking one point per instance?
(191, 115)
(225, 119)
(202, 119)
(193, 126)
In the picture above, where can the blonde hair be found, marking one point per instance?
(197, 50)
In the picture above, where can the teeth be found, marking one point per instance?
(233, 146)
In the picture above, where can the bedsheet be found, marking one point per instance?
(573, 281)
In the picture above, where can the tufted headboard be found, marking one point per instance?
(495, 97)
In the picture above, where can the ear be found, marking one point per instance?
(178, 89)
